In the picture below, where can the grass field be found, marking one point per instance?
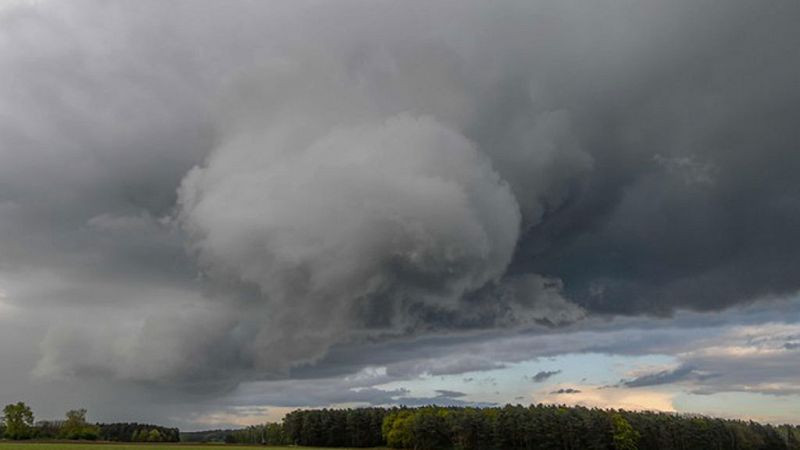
(6, 445)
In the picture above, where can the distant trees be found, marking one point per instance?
(267, 434)
(137, 432)
(76, 427)
(17, 421)
(335, 427)
(512, 427)
(206, 436)
(48, 429)
(535, 427)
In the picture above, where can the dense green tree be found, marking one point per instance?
(398, 429)
(154, 436)
(625, 437)
(76, 427)
(130, 432)
(18, 421)
(429, 428)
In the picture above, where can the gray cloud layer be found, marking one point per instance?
(203, 193)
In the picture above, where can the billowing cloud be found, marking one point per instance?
(198, 194)
(358, 228)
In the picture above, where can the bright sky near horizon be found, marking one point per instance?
(215, 212)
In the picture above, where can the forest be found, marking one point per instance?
(535, 427)
(512, 427)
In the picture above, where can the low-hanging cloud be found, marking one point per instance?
(363, 223)
(309, 174)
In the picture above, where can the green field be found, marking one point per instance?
(6, 445)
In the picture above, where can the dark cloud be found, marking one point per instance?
(689, 213)
(197, 195)
(443, 398)
(566, 391)
(661, 377)
(544, 375)
(450, 394)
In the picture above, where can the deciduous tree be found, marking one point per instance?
(18, 421)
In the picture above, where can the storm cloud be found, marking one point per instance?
(230, 191)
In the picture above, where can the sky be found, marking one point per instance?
(212, 213)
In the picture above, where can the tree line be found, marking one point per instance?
(18, 424)
(536, 427)
(266, 434)
(137, 432)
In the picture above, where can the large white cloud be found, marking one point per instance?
(371, 219)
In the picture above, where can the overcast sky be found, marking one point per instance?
(214, 212)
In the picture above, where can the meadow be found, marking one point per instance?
(8, 445)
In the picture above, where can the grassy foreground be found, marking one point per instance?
(7, 445)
